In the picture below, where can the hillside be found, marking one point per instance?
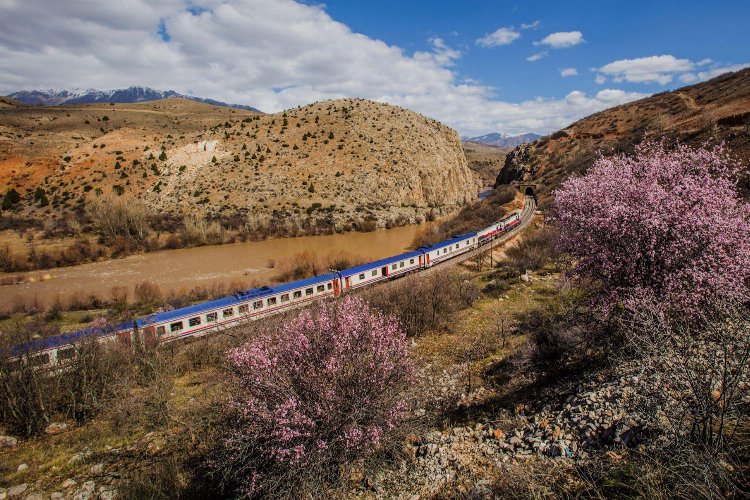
(715, 110)
(485, 160)
(90, 96)
(347, 160)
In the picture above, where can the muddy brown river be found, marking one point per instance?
(202, 266)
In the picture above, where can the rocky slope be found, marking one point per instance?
(484, 160)
(716, 110)
(336, 160)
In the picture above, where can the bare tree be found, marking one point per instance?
(695, 375)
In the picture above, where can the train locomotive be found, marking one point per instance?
(203, 318)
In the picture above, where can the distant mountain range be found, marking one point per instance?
(502, 140)
(130, 94)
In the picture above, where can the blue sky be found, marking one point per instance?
(694, 30)
(479, 66)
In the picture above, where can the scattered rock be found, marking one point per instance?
(68, 483)
(97, 469)
(17, 490)
(22, 467)
(56, 428)
(8, 441)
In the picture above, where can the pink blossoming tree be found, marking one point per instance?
(664, 226)
(317, 394)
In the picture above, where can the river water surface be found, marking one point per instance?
(189, 267)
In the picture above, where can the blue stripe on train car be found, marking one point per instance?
(232, 300)
(69, 338)
(378, 263)
(452, 241)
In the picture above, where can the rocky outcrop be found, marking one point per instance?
(518, 166)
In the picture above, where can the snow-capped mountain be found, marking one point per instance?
(54, 97)
(503, 140)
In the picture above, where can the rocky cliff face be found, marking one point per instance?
(713, 111)
(339, 160)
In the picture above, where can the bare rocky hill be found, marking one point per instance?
(485, 160)
(339, 160)
(716, 110)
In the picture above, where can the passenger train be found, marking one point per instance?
(200, 319)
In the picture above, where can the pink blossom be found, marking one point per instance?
(321, 391)
(664, 226)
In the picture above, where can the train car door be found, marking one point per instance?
(347, 283)
(336, 285)
(384, 271)
(123, 339)
(427, 256)
(149, 336)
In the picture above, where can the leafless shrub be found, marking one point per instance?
(147, 294)
(198, 231)
(534, 251)
(114, 217)
(695, 376)
(26, 392)
(306, 264)
(422, 303)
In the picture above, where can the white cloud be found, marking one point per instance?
(537, 56)
(600, 79)
(443, 54)
(662, 70)
(501, 36)
(271, 54)
(562, 39)
(565, 72)
(659, 69)
(530, 26)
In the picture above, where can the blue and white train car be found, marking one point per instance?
(372, 272)
(209, 316)
(444, 250)
(58, 349)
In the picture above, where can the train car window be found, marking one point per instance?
(375, 272)
(330, 286)
(445, 250)
(309, 291)
(257, 304)
(272, 301)
(41, 359)
(362, 276)
(401, 264)
(411, 261)
(194, 321)
(298, 294)
(175, 327)
(393, 267)
(321, 288)
(63, 354)
(285, 297)
(228, 313)
(212, 317)
(243, 309)
(160, 330)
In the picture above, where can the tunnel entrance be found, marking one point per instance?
(529, 191)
